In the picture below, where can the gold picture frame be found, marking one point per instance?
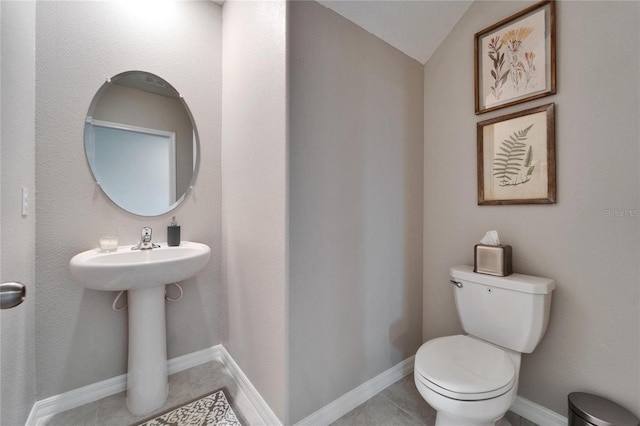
(515, 59)
(517, 158)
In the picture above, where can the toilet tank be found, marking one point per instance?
(512, 311)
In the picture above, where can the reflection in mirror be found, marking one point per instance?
(141, 143)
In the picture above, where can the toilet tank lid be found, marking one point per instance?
(516, 282)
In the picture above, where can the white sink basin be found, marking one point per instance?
(143, 273)
(126, 269)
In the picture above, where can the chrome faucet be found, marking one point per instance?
(145, 240)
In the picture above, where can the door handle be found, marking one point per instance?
(12, 294)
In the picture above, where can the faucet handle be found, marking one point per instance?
(145, 240)
(145, 234)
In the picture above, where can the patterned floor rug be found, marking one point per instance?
(213, 409)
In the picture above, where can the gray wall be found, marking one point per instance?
(355, 207)
(592, 343)
(17, 233)
(80, 339)
(254, 199)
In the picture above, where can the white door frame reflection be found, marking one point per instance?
(135, 165)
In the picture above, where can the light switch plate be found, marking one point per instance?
(25, 202)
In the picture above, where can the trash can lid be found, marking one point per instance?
(600, 411)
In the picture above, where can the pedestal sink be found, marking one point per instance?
(143, 273)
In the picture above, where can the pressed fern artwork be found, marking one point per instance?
(516, 158)
(513, 163)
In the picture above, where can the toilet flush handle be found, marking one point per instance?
(456, 283)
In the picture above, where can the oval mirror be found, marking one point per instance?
(141, 143)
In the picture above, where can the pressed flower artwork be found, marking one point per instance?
(515, 59)
(516, 158)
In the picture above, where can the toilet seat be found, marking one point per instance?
(464, 368)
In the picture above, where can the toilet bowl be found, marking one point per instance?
(467, 381)
(472, 379)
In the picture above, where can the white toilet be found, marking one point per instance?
(472, 380)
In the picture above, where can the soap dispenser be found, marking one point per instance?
(173, 233)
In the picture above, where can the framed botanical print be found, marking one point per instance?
(515, 59)
(517, 158)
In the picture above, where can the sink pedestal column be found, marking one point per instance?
(147, 382)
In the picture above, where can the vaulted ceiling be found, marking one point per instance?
(415, 27)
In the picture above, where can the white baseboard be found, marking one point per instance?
(537, 413)
(46, 408)
(341, 406)
(187, 361)
(263, 409)
(347, 402)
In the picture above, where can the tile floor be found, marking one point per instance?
(398, 405)
(184, 386)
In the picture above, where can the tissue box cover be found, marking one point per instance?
(492, 260)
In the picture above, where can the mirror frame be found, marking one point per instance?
(196, 140)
